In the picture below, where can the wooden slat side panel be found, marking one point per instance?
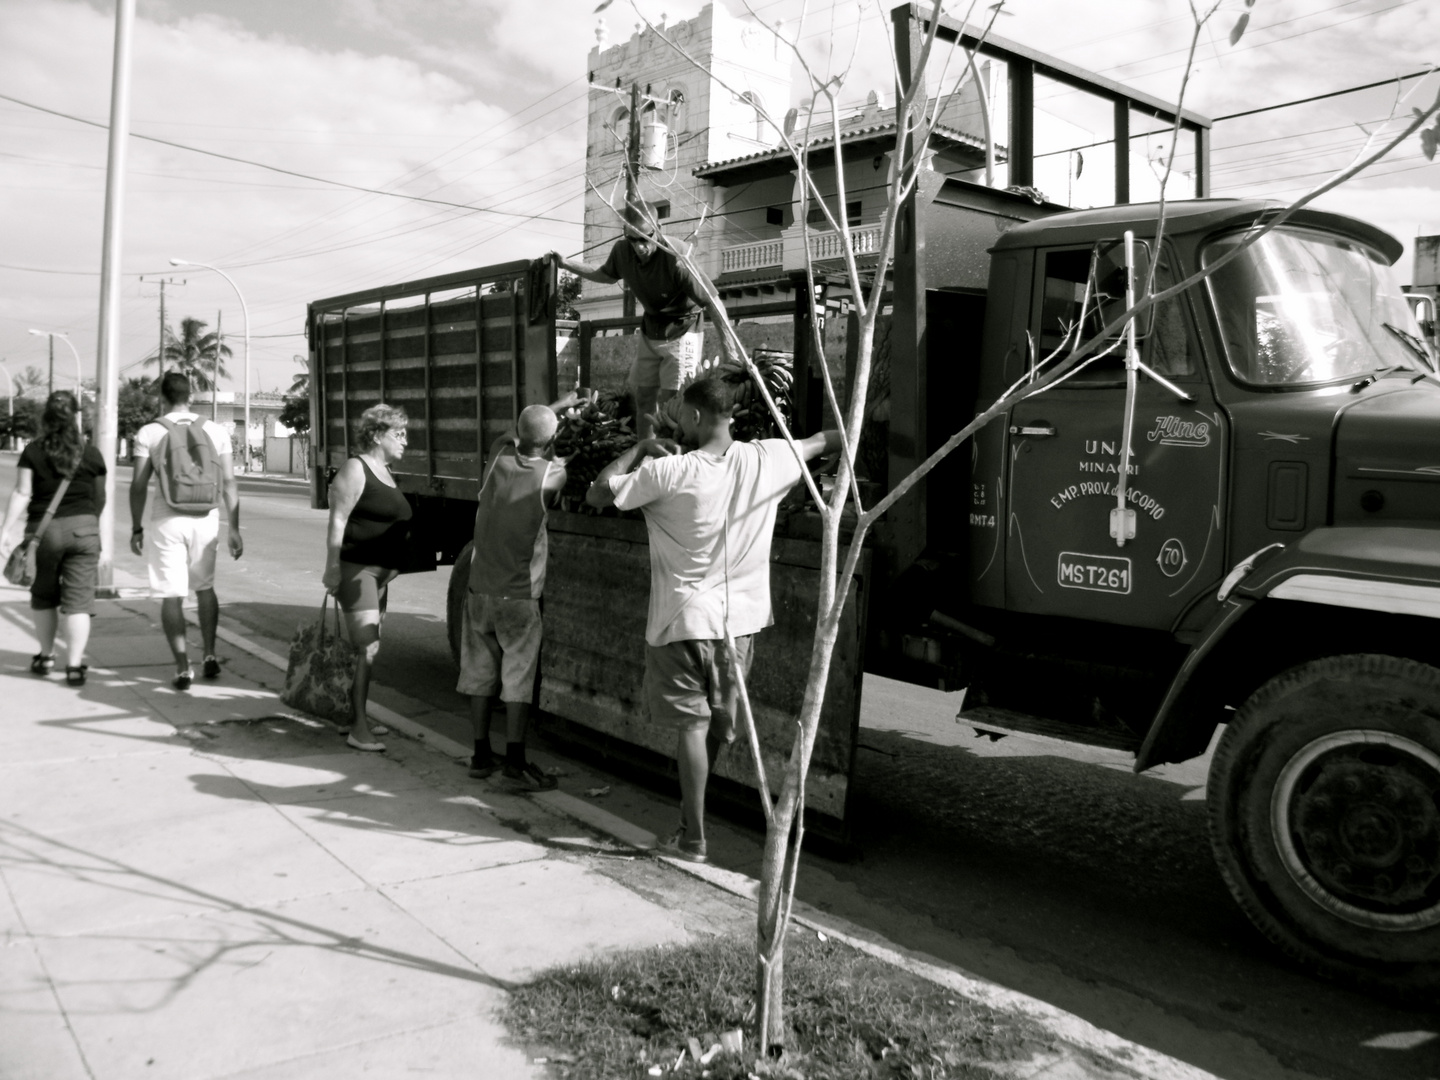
(593, 660)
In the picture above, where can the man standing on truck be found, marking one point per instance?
(500, 634)
(668, 347)
(710, 514)
(190, 460)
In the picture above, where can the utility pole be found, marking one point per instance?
(160, 348)
(107, 367)
(632, 180)
(52, 365)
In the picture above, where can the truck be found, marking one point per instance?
(1281, 585)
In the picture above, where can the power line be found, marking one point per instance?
(1331, 94)
(283, 172)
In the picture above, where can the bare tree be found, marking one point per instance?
(916, 117)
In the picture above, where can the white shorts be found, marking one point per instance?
(665, 364)
(180, 551)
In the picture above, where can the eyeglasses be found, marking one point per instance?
(399, 435)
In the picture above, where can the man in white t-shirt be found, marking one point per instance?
(183, 545)
(710, 514)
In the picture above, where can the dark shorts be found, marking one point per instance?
(66, 566)
(691, 684)
(362, 588)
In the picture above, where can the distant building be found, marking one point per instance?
(269, 439)
(714, 170)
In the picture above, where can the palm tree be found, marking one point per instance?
(300, 387)
(198, 356)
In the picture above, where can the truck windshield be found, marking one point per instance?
(1301, 307)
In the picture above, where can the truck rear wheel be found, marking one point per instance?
(455, 598)
(1324, 817)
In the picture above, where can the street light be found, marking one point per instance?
(245, 313)
(79, 378)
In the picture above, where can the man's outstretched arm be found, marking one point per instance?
(599, 494)
(582, 269)
(821, 444)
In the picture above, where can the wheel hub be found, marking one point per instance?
(1357, 826)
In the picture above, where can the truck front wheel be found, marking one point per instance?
(1324, 819)
(455, 598)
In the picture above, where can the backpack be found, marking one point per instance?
(187, 468)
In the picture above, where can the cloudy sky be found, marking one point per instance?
(483, 104)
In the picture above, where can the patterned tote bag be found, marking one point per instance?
(322, 670)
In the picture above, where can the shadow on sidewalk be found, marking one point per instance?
(279, 756)
(261, 927)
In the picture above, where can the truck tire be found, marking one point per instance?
(455, 598)
(1324, 819)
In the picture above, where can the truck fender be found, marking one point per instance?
(1176, 734)
(1389, 569)
(1383, 570)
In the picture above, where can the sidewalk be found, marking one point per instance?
(204, 885)
(210, 885)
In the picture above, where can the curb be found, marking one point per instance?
(1114, 1050)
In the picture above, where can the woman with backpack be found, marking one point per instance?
(61, 463)
(365, 549)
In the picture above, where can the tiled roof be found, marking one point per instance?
(852, 135)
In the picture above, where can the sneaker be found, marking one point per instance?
(480, 768)
(212, 667)
(184, 679)
(530, 778)
(677, 847)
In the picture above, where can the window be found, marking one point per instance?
(762, 132)
(1301, 307)
(852, 214)
(1093, 278)
(661, 210)
(774, 215)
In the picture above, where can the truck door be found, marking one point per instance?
(1063, 457)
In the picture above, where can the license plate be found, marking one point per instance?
(1097, 573)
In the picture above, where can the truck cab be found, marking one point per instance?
(1283, 578)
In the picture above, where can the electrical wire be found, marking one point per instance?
(271, 168)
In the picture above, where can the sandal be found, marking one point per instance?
(75, 676)
(355, 744)
(375, 729)
(40, 664)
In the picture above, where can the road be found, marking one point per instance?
(1050, 869)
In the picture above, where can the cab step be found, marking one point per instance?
(988, 720)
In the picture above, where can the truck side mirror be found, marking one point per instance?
(1110, 274)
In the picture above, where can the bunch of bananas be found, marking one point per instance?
(752, 419)
(590, 436)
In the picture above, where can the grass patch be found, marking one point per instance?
(849, 1016)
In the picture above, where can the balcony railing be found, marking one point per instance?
(864, 240)
(752, 256)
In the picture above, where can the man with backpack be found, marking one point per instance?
(190, 460)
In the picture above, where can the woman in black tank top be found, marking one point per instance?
(365, 547)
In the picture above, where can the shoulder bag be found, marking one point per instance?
(20, 567)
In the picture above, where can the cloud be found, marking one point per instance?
(381, 121)
(482, 102)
